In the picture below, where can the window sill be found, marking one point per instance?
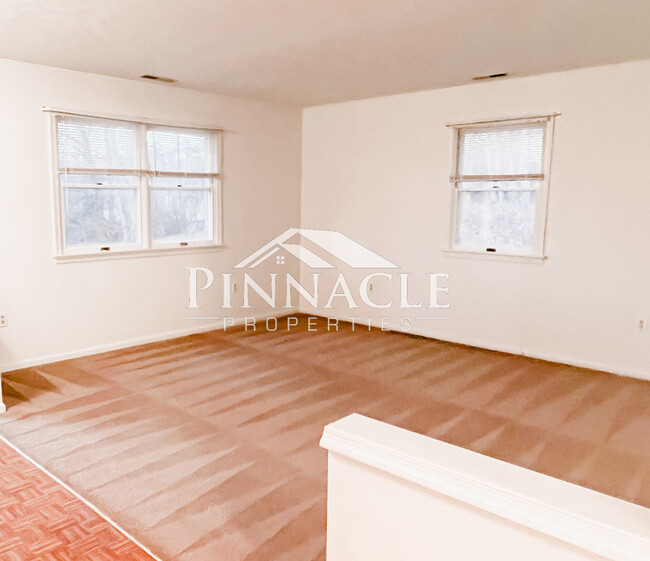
(508, 257)
(131, 254)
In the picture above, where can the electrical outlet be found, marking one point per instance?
(642, 325)
(3, 319)
(234, 287)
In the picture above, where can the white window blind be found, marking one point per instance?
(96, 144)
(126, 186)
(500, 187)
(507, 150)
(181, 151)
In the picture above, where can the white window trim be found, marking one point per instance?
(538, 252)
(146, 247)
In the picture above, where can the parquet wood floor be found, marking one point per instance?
(41, 520)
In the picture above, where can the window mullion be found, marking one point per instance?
(541, 217)
(135, 185)
(145, 195)
(97, 171)
(216, 184)
(511, 177)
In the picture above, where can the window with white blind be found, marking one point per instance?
(500, 187)
(125, 186)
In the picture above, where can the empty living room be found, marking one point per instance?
(325, 281)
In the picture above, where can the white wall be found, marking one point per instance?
(59, 310)
(378, 170)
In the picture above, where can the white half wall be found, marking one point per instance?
(394, 494)
(61, 310)
(378, 171)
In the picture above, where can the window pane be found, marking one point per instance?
(504, 150)
(181, 215)
(500, 220)
(77, 178)
(499, 185)
(196, 182)
(180, 150)
(98, 217)
(98, 144)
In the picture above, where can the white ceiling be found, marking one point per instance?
(308, 52)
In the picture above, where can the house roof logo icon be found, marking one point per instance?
(333, 244)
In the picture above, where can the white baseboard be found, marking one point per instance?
(126, 343)
(510, 349)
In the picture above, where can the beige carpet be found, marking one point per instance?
(205, 448)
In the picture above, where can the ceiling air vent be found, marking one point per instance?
(491, 76)
(158, 78)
